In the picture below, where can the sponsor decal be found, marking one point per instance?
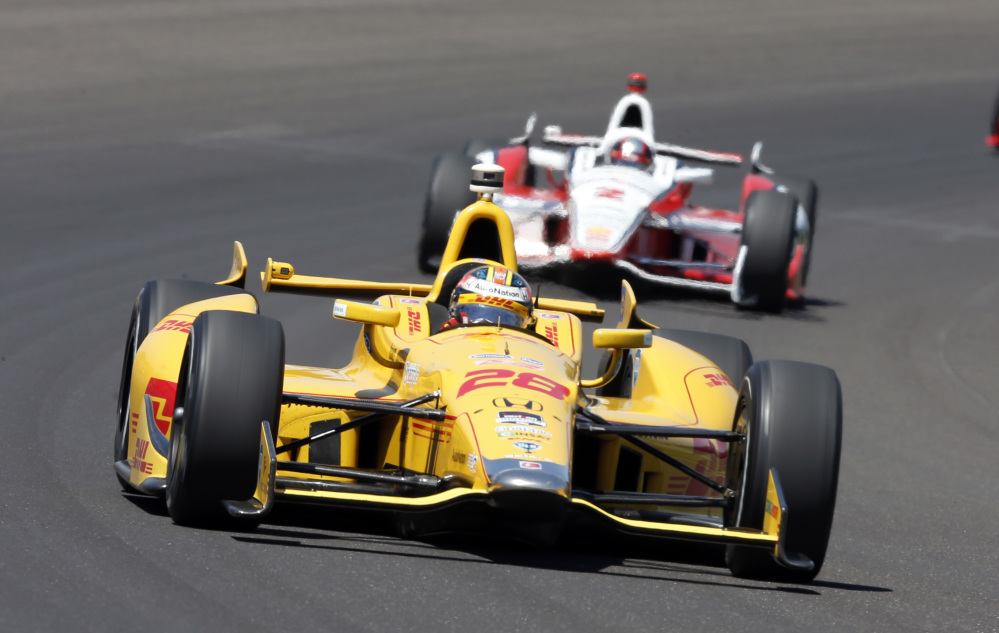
(413, 319)
(411, 375)
(483, 287)
(597, 234)
(611, 193)
(717, 380)
(367, 342)
(499, 275)
(518, 403)
(473, 461)
(535, 457)
(551, 316)
(340, 309)
(175, 325)
(532, 432)
(490, 356)
(499, 302)
(521, 418)
(531, 361)
(409, 301)
(527, 446)
(499, 361)
(551, 333)
(139, 462)
(773, 510)
(530, 465)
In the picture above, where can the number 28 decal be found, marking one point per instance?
(502, 377)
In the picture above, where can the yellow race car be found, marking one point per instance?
(463, 408)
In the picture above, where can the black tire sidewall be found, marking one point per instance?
(730, 354)
(232, 381)
(793, 413)
(768, 232)
(155, 301)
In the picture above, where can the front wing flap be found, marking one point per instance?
(771, 537)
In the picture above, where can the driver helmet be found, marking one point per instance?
(491, 295)
(632, 151)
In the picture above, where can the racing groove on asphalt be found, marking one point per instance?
(137, 140)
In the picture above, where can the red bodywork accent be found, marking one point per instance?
(637, 82)
(163, 394)
(673, 200)
(754, 182)
(992, 140)
(651, 243)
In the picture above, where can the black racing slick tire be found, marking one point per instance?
(447, 194)
(791, 415)
(807, 194)
(156, 300)
(728, 353)
(230, 382)
(767, 235)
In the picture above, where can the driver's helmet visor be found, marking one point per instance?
(494, 310)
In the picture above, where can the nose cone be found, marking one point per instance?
(529, 491)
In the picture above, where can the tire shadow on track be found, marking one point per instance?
(334, 531)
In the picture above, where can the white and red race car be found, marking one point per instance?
(601, 204)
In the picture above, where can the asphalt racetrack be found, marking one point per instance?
(138, 139)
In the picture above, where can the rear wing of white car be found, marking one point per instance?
(553, 135)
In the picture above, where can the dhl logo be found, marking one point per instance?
(551, 333)
(413, 318)
(175, 325)
(139, 462)
(717, 380)
(494, 301)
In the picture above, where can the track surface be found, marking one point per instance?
(137, 139)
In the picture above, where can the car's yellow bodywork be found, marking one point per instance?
(510, 397)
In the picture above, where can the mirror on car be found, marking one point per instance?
(607, 338)
(366, 313)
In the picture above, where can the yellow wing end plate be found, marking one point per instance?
(237, 276)
(775, 524)
(263, 497)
